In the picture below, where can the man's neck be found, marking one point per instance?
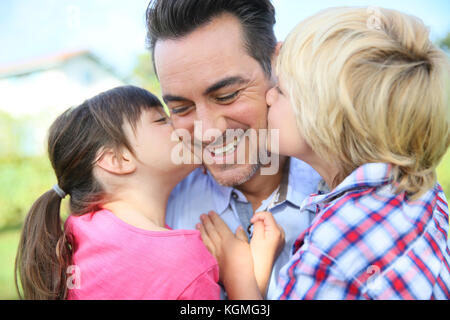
(260, 187)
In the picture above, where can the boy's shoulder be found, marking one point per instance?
(357, 213)
(368, 224)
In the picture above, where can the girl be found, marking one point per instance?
(112, 156)
(361, 98)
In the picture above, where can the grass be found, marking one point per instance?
(8, 246)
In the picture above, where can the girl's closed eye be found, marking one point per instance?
(163, 119)
(160, 117)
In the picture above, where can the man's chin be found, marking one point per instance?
(233, 175)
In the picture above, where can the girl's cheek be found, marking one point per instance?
(272, 118)
(169, 137)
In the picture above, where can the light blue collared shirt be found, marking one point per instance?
(199, 193)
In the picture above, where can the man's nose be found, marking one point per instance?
(213, 123)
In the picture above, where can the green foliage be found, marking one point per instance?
(144, 75)
(9, 241)
(445, 43)
(9, 139)
(22, 181)
(443, 173)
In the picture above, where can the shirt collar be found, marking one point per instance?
(298, 182)
(367, 176)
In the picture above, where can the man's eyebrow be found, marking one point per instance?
(171, 98)
(225, 83)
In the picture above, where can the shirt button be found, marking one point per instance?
(234, 195)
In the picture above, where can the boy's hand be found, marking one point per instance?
(266, 244)
(233, 254)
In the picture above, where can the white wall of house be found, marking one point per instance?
(40, 95)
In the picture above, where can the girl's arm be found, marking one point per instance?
(237, 258)
(266, 244)
(233, 255)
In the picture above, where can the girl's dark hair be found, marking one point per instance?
(172, 19)
(75, 140)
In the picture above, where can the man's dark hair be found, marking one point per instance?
(172, 19)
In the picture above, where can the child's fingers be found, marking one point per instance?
(220, 226)
(206, 239)
(241, 235)
(283, 234)
(210, 229)
(258, 228)
(265, 217)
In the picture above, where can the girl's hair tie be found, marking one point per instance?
(60, 192)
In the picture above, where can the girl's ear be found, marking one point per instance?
(120, 163)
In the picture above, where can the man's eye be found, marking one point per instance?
(227, 98)
(180, 110)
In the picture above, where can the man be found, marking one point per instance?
(213, 59)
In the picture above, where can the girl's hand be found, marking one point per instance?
(233, 254)
(266, 244)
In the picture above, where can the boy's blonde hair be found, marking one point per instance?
(367, 85)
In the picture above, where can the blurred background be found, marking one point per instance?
(56, 53)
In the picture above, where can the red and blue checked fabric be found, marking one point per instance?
(367, 242)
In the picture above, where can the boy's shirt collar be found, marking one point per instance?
(367, 176)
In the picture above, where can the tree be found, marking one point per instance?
(445, 43)
(9, 138)
(143, 74)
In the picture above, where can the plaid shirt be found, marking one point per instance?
(366, 242)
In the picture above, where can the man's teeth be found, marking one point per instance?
(231, 147)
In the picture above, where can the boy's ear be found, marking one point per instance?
(120, 163)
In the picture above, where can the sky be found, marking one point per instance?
(115, 29)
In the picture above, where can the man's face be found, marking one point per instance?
(208, 77)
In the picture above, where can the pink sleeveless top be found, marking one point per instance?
(116, 261)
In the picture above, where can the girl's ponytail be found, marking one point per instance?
(44, 252)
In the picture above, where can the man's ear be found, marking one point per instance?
(278, 48)
(274, 60)
(120, 163)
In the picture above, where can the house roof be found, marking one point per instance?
(48, 62)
